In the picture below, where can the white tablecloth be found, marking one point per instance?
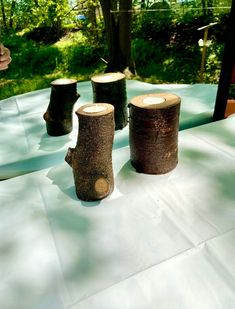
(26, 146)
(156, 242)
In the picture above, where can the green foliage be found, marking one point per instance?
(32, 14)
(144, 51)
(29, 58)
(35, 65)
(82, 56)
(213, 63)
(45, 34)
(166, 64)
(165, 43)
(154, 24)
(46, 58)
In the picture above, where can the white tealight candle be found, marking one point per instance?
(105, 78)
(63, 81)
(153, 100)
(95, 109)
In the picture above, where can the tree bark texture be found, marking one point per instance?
(111, 88)
(153, 136)
(91, 159)
(118, 32)
(58, 116)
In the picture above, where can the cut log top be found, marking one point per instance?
(107, 77)
(63, 81)
(155, 100)
(95, 109)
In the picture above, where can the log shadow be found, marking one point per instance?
(62, 177)
(53, 143)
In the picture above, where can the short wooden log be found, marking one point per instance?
(58, 116)
(91, 159)
(230, 108)
(111, 88)
(153, 132)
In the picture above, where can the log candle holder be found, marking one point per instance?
(111, 88)
(153, 132)
(58, 116)
(91, 159)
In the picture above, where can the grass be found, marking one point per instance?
(35, 65)
(20, 85)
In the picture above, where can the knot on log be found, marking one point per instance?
(91, 159)
(58, 116)
(153, 132)
(69, 156)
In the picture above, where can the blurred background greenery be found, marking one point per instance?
(54, 39)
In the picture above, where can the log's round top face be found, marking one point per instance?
(63, 81)
(108, 77)
(155, 100)
(95, 109)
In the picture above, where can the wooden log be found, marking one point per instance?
(91, 159)
(58, 116)
(153, 132)
(111, 88)
(230, 108)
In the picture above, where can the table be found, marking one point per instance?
(165, 241)
(26, 147)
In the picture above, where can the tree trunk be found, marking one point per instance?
(125, 21)
(118, 32)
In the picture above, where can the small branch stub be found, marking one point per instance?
(91, 159)
(153, 136)
(58, 116)
(111, 88)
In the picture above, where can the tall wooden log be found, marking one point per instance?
(91, 159)
(58, 116)
(153, 136)
(111, 88)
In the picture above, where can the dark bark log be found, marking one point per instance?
(91, 160)
(111, 88)
(154, 125)
(58, 116)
